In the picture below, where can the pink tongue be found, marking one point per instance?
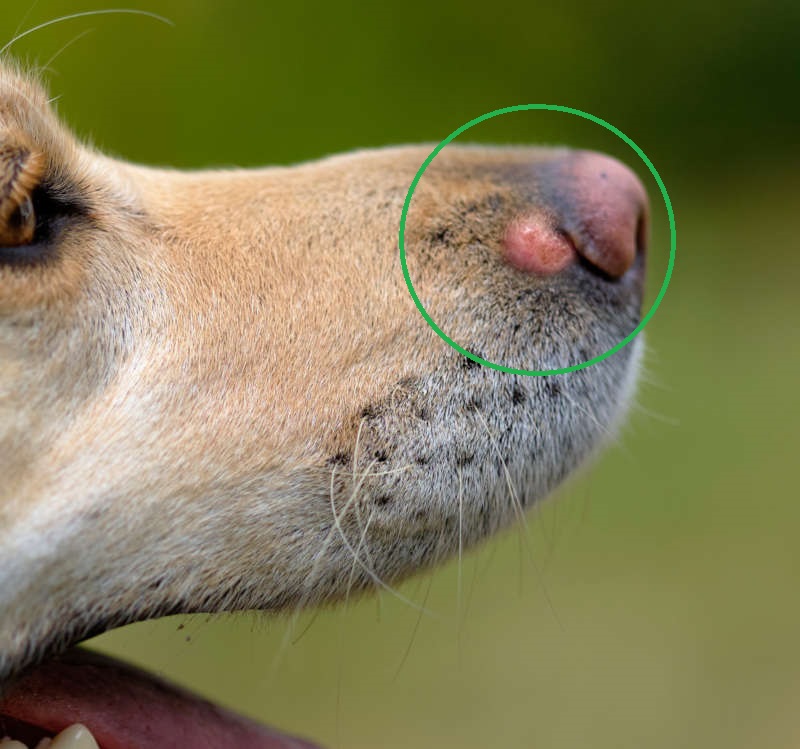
(126, 708)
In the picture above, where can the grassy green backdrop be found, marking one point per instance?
(655, 603)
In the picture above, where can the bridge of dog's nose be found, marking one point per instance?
(593, 207)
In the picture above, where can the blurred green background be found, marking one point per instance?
(655, 602)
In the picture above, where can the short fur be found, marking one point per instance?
(216, 392)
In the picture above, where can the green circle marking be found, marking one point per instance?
(553, 108)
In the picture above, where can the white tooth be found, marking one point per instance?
(6, 743)
(76, 736)
(44, 744)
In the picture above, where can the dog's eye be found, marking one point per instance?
(20, 225)
(21, 169)
(34, 205)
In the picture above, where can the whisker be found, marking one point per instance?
(370, 573)
(462, 604)
(459, 581)
(610, 435)
(415, 630)
(65, 47)
(311, 579)
(25, 17)
(515, 501)
(286, 640)
(84, 14)
(523, 534)
(361, 542)
(320, 555)
(519, 511)
(655, 415)
(312, 576)
(307, 628)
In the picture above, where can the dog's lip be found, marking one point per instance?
(127, 708)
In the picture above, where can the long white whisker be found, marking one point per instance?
(374, 577)
(85, 14)
(362, 543)
(320, 555)
(519, 511)
(26, 16)
(515, 501)
(312, 575)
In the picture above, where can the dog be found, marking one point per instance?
(217, 394)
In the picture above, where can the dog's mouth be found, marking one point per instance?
(82, 700)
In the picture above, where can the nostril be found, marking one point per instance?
(590, 210)
(602, 207)
(608, 212)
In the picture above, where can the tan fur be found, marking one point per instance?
(217, 393)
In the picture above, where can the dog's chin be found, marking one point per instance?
(125, 708)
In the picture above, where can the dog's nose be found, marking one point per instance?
(592, 206)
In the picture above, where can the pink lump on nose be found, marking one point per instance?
(533, 247)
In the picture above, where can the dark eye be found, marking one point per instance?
(22, 166)
(30, 230)
(21, 224)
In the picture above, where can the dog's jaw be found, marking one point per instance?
(216, 392)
